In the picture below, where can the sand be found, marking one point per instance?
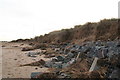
(0, 60)
(12, 57)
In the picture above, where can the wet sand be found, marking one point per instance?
(12, 57)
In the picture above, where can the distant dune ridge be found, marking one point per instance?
(107, 29)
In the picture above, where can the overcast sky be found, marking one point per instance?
(29, 18)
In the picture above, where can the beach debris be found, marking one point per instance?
(27, 49)
(49, 55)
(89, 60)
(15, 59)
(92, 68)
(70, 55)
(37, 63)
(77, 56)
(3, 45)
(115, 74)
(48, 64)
(60, 58)
(57, 49)
(35, 74)
(47, 75)
(57, 65)
(32, 54)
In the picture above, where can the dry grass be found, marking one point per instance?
(103, 30)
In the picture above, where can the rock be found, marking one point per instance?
(66, 60)
(115, 74)
(57, 65)
(68, 63)
(60, 58)
(105, 52)
(70, 55)
(32, 54)
(118, 44)
(54, 59)
(100, 54)
(64, 65)
(63, 75)
(110, 53)
(66, 51)
(57, 49)
(48, 64)
(110, 43)
(72, 61)
(47, 75)
(49, 55)
(35, 74)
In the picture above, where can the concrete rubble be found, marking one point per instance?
(100, 59)
(34, 53)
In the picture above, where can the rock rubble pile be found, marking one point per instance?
(87, 60)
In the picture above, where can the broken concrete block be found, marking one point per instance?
(63, 75)
(60, 58)
(32, 54)
(35, 74)
(57, 49)
(57, 65)
(100, 54)
(47, 75)
(115, 74)
(48, 64)
(70, 55)
(72, 61)
(66, 60)
(65, 65)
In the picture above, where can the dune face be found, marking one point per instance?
(103, 30)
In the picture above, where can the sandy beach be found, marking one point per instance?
(13, 57)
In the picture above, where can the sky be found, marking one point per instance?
(30, 18)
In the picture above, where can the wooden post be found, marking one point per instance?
(93, 64)
(77, 56)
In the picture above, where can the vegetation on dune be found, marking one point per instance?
(103, 30)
